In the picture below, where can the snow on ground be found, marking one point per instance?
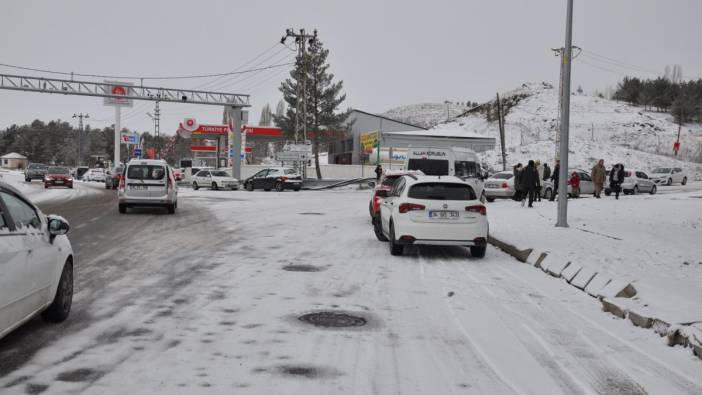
(652, 240)
(213, 311)
(599, 129)
(36, 192)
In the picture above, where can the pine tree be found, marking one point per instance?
(280, 108)
(324, 121)
(266, 116)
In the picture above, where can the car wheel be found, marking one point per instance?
(122, 209)
(395, 249)
(377, 229)
(195, 187)
(684, 181)
(61, 306)
(171, 208)
(267, 189)
(636, 190)
(490, 199)
(370, 210)
(214, 186)
(547, 193)
(296, 189)
(71, 187)
(670, 182)
(653, 190)
(249, 186)
(482, 197)
(279, 186)
(478, 251)
(46, 186)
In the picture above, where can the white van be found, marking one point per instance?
(148, 183)
(460, 162)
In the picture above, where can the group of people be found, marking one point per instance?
(528, 180)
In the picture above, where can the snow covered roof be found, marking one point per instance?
(460, 133)
(13, 155)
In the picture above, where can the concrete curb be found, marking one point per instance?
(614, 294)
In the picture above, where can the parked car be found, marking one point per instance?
(148, 183)
(97, 175)
(668, 176)
(500, 186)
(36, 263)
(278, 178)
(432, 210)
(214, 179)
(635, 181)
(587, 187)
(35, 171)
(112, 177)
(58, 177)
(381, 189)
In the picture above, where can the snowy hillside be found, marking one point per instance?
(426, 114)
(599, 128)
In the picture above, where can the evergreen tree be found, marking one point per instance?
(266, 116)
(280, 108)
(324, 121)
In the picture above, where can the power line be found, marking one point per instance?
(594, 56)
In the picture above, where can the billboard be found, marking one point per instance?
(369, 140)
(118, 89)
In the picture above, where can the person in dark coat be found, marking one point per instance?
(554, 178)
(378, 172)
(616, 178)
(530, 182)
(517, 171)
(547, 172)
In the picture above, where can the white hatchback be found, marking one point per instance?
(214, 179)
(36, 263)
(432, 210)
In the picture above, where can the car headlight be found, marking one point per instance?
(48, 179)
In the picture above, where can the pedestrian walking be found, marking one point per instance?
(378, 172)
(599, 175)
(555, 177)
(540, 170)
(574, 183)
(517, 171)
(530, 182)
(616, 177)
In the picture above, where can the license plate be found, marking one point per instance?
(58, 182)
(138, 187)
(443, 214)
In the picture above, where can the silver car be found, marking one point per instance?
(668, 176)
(148, 183)
(499, 186)
(636, 181)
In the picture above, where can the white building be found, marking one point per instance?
(13, 161)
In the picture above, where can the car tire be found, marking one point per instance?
(46, 186)
(370, 210)
(478, 251)
(249, 186)
(71, 187)
(214, 186)
(653, 190)
(547, 193)
(636, 190)
(377, 229)
(267, 190)
(279, 186)
(296, 189)
(670, 182)
(122, 209)
(684, 181)
(61, 306)
(195, 187)
(395, 249)
(490, 199)
(171, 208)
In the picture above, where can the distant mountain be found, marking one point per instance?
(425, 114)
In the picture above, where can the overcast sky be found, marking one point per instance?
(388, 53)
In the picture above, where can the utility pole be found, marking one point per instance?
(156, 117)
(301, 39)
(501, 123)
(80, 117)
(559, 53)
(565, 120)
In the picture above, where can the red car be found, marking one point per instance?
(383, 187)
(58, 177)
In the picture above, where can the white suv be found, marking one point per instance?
(668, 176)
(148, 183)
(36, 263)
(432, 210)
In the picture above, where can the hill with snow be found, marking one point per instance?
(599, 128)
(426, 115)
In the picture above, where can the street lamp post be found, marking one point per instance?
(565, 121)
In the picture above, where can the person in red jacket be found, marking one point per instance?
(574, 183)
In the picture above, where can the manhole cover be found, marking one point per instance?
(302, 268)
(311, 213)
(330, 319)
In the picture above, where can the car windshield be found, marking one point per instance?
(441, 191)
(58, 170)
(290, 171)
(430, 167)
(502, 176)
(219, 173)
(661, 170)
(467, 169)
(146, 172)
(37, 166)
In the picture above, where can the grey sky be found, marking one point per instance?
(388, 53)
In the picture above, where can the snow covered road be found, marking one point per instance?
(208, 301)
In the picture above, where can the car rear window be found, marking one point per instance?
(146, 172)
(289, 171)
(502, 176)
(430, 167)
(389, 180)
(219, 173)
(441, 191)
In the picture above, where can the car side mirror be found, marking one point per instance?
(371, 184)
(57, 226)
(382, 193)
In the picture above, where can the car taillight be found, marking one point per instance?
(405, 207)
(283, 178)
(627, 174)
(121, 182)
(170, 184)
(505, 185)
(478, 208)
